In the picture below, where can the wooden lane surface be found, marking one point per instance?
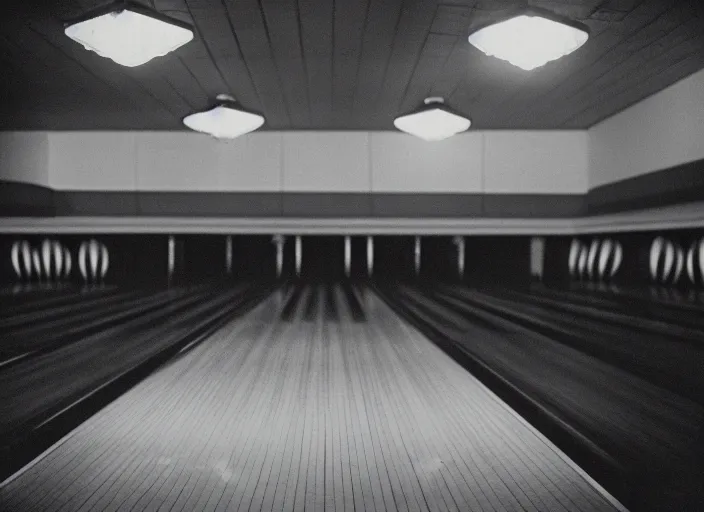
(319, 413)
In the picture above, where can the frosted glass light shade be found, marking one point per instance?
(528, 40)
(129, 34)
(432, 122)
(225, 121)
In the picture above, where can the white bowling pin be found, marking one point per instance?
(655, 250)
(618, 258)
(575, 251)
(604, 254)
(591, 259)
(58, 258)
(228, 254)
(15, 257)
(299, 255)
(37, 263)
(46, 250)
(669, 261)
(82, 253)
(348, 255)
(105, 261)
(67, 263)
(370, 255)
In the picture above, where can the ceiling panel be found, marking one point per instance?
(248, 25)
(436, 50)
(349, 20)
(221, 46)
(282, 25)
(317, 42)
(342, 64)
(382, 21)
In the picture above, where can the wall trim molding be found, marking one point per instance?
(675, 217)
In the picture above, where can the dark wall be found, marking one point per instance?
(555, 262)
(200, 258)
(634, 269)
(289, 263)
(498, 261)
(394, 257)
(134, 259)
(323, 257)
(439, 258)
(203, 257)
(358, 267)
(254, 256)
(7, 274)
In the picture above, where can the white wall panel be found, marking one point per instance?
(178, 162)
(664, 130)
(326, 162)
(548, 162)
(191, 162)
(254, 163)
(92, 160)
(494, 162)
(24, 157)
(402, 163)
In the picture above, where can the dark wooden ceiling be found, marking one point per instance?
(342, 64)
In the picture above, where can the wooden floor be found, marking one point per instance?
(315, 410)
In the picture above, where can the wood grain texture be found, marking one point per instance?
(318, 413)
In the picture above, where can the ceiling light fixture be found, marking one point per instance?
(531, 39)
(433, 121)
(227, 120)
(128, 33)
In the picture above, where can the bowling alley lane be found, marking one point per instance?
(317, 407)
